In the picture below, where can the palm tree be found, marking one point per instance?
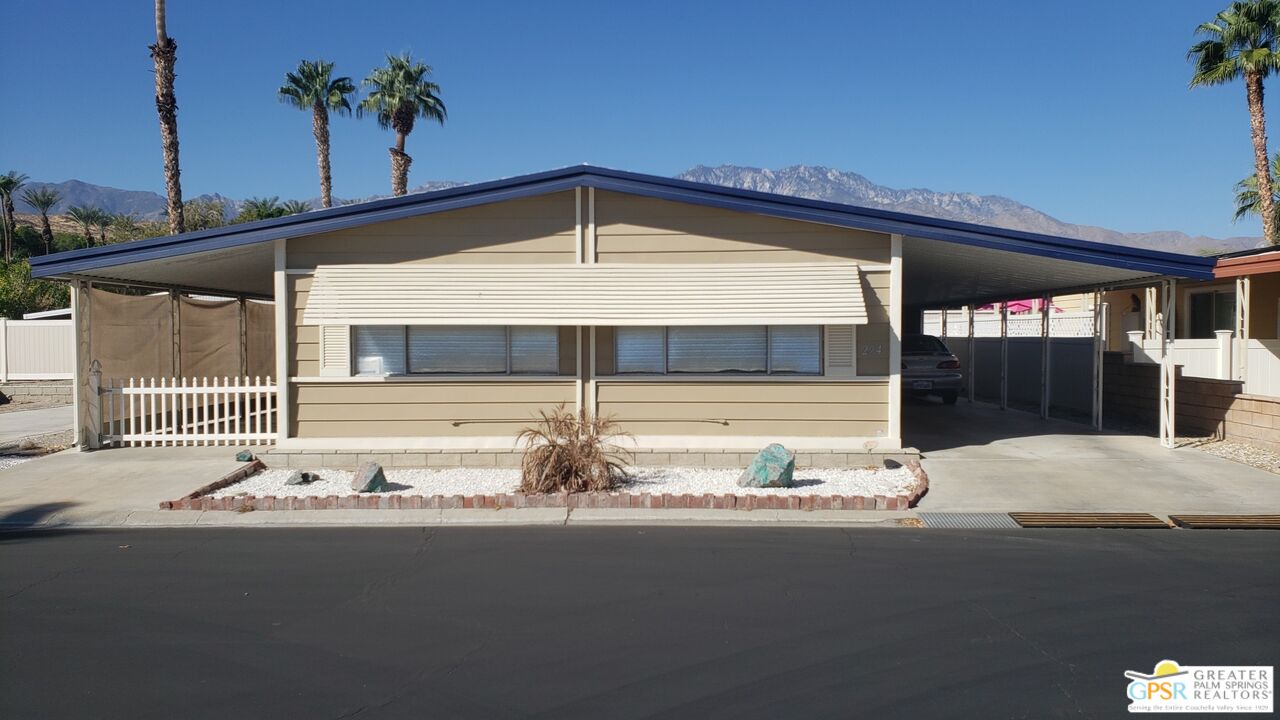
(256, 208)
(312, 87)
(102, 220)
(10, 183)
(293, 207)
(1242, 42)
(401, 94)
(43, 200)
(165, 55)
(87, 217)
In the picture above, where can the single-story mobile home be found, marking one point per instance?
(701, 317)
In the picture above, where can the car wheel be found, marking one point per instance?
(949, 396)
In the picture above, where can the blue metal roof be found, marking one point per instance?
(1152, 262)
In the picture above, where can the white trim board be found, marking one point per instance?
(641, 443)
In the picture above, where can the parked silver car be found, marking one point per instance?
(929, 368)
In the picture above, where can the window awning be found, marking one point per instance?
(593, 294)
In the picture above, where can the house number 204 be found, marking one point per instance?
(873, 349)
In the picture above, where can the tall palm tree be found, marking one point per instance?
(10, 183)
(293, 207)
(87, 217)
(43, 200)
(402, 93)
(313, 87)
(1242, 42)
(165, 55)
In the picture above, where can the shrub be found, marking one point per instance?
(572, 452)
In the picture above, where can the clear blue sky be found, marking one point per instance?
(1080, 108)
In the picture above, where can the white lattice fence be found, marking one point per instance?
(987, 324)
(171, 411)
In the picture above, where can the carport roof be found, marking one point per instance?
(945, 262)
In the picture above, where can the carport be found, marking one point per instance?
(904, 264)
(956, 269)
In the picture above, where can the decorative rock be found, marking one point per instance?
(369, 478)
(244, 456)
(298, 477)
(773, 466)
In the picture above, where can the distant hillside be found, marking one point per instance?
(809, 181)
(821, 183)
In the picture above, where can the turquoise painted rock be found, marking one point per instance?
(774, 466)
(369, 478)
(244, 456)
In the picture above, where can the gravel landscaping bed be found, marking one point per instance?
(1240, 452)
(491, 481)
(8, 461)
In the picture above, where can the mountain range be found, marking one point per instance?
(809, 181)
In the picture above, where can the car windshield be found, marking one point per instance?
(922, 344)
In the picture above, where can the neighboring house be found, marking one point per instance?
(702, 317)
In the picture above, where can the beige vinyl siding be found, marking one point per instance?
(531, 230)
(631, 228)
(779, 409)
(304, 361)
(424, 409)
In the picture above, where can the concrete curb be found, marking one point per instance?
(471, 518)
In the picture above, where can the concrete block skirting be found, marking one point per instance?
(310, 459)
(200, 500)
(51, 391)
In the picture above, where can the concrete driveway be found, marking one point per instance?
(26, 423)
(107, 486)
(980, 458)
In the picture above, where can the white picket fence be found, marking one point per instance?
(171, 411)
(987, 324)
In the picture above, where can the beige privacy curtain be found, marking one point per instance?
(260, 336)
(209, 335)
(131, 335)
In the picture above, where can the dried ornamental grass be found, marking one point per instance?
(572, 452)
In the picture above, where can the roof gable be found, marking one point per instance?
(319, 221)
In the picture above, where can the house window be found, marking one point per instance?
(1211, 310)
(460, 350)
(754, 350)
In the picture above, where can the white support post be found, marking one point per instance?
(244, 336)
(1044, 357)
(175, 332)
(589, 257)
(94, 401)
(282, 340)
(1152, 323)
(943, 330)
(1168, 378)
(1004, 356)
(1240, 371)
(894, 439)
(4, 349)
(971, 370)
(1226, 338)
(1099, 344)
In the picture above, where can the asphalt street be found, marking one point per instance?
(619, 622)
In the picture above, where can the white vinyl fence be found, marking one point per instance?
(36, 350)
(1255, 362)
(151, 412)
(987, 324)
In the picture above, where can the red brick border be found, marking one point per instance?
(200, 500)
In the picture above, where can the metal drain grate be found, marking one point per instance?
(1228, 522)
(967, 521)
(1088, 520)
